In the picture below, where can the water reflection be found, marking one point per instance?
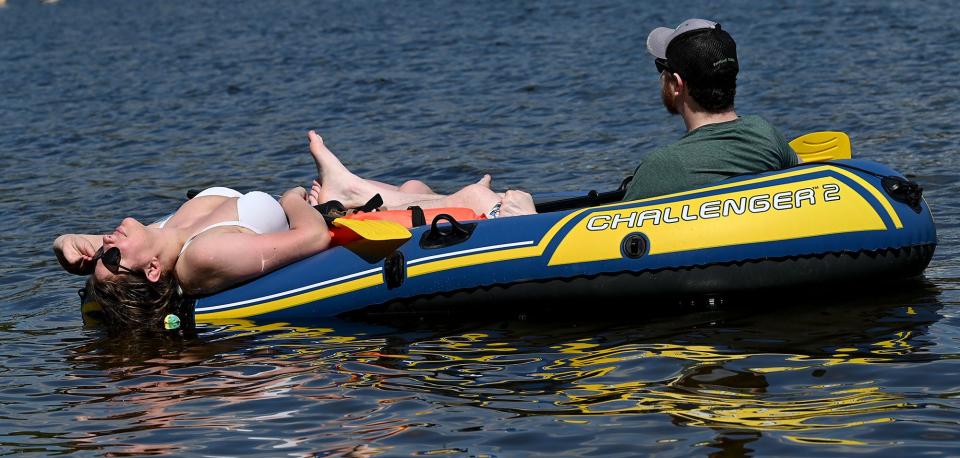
(742, 372)
(718, 376)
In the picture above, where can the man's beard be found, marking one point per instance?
(666, 96)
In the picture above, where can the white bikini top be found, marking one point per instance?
(257, 211)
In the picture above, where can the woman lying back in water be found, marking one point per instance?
(140, 274)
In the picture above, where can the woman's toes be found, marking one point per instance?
(485, 181)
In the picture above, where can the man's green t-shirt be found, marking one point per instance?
(710, 154)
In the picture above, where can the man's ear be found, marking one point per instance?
(153, 270)
(677, 83)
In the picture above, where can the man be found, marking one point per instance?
(698, 68)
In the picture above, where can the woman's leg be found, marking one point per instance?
(338, 183)
(477, 197)
(327, 161)
(411, 186)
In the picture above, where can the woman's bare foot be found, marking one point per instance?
(335, 182)
(485, 181)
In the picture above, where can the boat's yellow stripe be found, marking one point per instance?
(884, 202)
(299, 299)
(474, 259)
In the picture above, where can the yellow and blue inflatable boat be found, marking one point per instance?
(847, 220)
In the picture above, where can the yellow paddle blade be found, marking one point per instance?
(375, 229)
(822, 146)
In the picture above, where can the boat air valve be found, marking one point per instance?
(634, 245)
(903, 190)
(394, 270)
(446, 235)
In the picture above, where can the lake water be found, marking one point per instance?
(116, 108)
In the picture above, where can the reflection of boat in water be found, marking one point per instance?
(800, 369)
(810, 371)
(821, 222)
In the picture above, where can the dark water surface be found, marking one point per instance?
(115, 108)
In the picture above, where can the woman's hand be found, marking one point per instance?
(75, 252)
(294, 193)
(305, 220)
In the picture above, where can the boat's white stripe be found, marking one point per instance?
(358, 274)
(287, 293)
(472, 250)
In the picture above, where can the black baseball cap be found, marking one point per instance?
(699, 50)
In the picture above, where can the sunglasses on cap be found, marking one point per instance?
(662, 65)
(111, 260)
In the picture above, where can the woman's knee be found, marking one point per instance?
(415, 187)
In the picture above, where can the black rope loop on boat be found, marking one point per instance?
(904, 191)
(447, 235)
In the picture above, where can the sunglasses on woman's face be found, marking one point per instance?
(111, 260)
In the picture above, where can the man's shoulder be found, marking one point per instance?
(771, 136)
(756, 122)
(756, 125)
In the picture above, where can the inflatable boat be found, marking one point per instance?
(843, 220)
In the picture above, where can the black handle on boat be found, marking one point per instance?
(903, 190)
(592, 198)
(447, 235)
(394, 270)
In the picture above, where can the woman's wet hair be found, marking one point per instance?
(133, 303)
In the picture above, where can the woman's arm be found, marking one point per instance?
(75, 252)
(230, 258)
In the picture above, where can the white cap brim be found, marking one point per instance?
(660, 38)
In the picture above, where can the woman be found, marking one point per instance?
(140, 275)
